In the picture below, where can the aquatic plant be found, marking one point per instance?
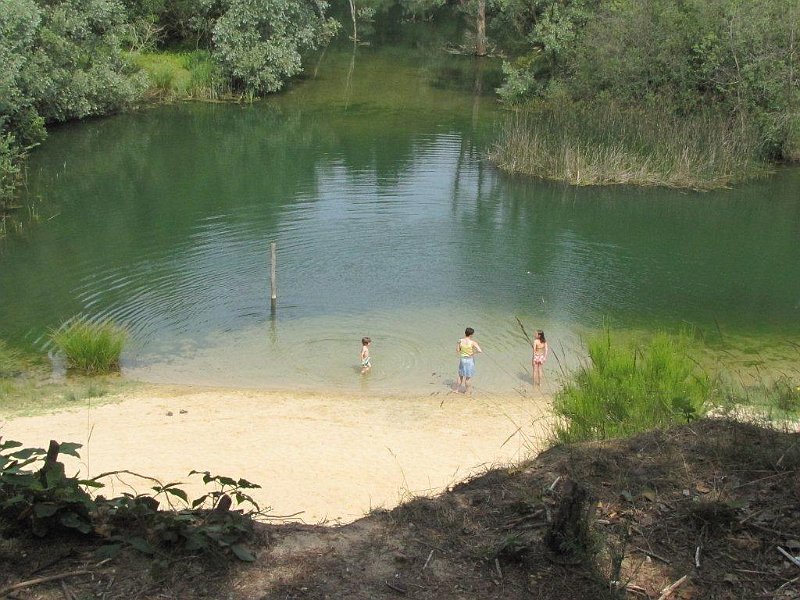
(90, 347)
(625, 390)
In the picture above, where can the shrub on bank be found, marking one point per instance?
(622, 391)
(90, 347)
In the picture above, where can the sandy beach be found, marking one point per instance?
(331, 457)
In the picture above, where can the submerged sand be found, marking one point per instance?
(327, 456)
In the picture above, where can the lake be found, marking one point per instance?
(371, 176)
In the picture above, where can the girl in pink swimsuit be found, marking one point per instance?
(540, 351)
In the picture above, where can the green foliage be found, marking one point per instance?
(259, 42)
(43, 499)
(19, 24)
(203, 527)
(182, 75)
(36, 495)
(166, 71)
(726, 56)
(90, 347)
(58, 61)
(627, 390)
(11, 156)
(74, 66)
(225, 487)
(205, 76)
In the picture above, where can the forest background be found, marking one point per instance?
(697, 94)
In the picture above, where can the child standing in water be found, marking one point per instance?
(540, 351)
(466, 349)
(366, 365)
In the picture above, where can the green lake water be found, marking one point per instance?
(370, 174)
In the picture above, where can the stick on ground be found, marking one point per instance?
(31, 582)
(668, 591)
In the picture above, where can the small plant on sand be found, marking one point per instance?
(90, 347)
(37, 496)
(42, 498)
(627, 390)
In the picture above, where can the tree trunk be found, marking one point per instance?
(480, 39)
(353, 16)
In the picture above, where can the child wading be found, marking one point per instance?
(466, 349)
(540, 351)
(366, 364)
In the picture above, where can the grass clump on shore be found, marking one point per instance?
(182, 75)
(625, 390)
(90, 347)
(604, 145)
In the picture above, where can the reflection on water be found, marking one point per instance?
(389, 223)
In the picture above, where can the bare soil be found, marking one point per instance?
(695, 512)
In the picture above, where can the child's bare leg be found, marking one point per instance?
(468, 385)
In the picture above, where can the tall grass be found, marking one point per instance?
(182, 75)
(622, 390)
(770, 399)
(90, 347)
(602, 145)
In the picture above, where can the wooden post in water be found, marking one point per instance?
(273, 286)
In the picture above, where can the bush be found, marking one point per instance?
(90, 347)
(10, 159)
(627, 390)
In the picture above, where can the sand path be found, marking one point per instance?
(332, 456)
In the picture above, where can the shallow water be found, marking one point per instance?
(371, 177)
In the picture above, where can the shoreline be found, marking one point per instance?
(329, 456)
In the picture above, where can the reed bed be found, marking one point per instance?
(608, 145)
(90, 347)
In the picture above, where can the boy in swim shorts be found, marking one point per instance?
(466, 350)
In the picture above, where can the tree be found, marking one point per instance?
(19, 23)
(59, 60)
(545, 33)
(259, 42)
